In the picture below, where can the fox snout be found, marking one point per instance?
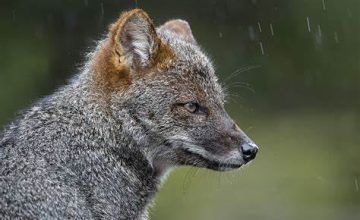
(249, 151)
(222, 147)
(248, 148)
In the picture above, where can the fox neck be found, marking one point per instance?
(119, 147)
(150, 144)
(123, 129)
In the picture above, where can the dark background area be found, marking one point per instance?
(292, 71)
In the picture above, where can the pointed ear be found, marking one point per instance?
(179, 27)
(135, 38)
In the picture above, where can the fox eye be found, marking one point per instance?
(195, 108)
(192, 107)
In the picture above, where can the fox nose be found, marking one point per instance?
(249, 151)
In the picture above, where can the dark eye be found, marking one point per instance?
(192, 107)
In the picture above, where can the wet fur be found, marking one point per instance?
(99, 146)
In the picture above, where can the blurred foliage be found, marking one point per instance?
(295, 89)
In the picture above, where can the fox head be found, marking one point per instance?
(164, 87)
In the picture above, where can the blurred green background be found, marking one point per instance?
(292, 71)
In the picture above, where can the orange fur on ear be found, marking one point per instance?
(118, 31)
(110, 74)
(132, 48)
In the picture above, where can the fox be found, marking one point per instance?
(147, 100)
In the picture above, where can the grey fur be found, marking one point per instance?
(75, 155)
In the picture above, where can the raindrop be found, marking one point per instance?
(262, 48)
(136, 3)
(319, 31)
(86, 2)
(251, 33)
(102, 9)
(259, 25)
(13, 14)
(356, 185)
(220, 34)
(318, 36)
(271, 29)
(324, 5)
(308, 24)
(336, 37)
(349, 12)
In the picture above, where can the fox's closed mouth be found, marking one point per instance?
(213, 164)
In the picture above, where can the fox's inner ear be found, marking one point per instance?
(179, 27)
(136, 40)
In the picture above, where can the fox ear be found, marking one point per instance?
(179, 27)
(136, 39)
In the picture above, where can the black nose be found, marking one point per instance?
(249, 151)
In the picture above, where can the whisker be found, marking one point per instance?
(241, 70)
(234, 98)
(187, 179)
(244, 86)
